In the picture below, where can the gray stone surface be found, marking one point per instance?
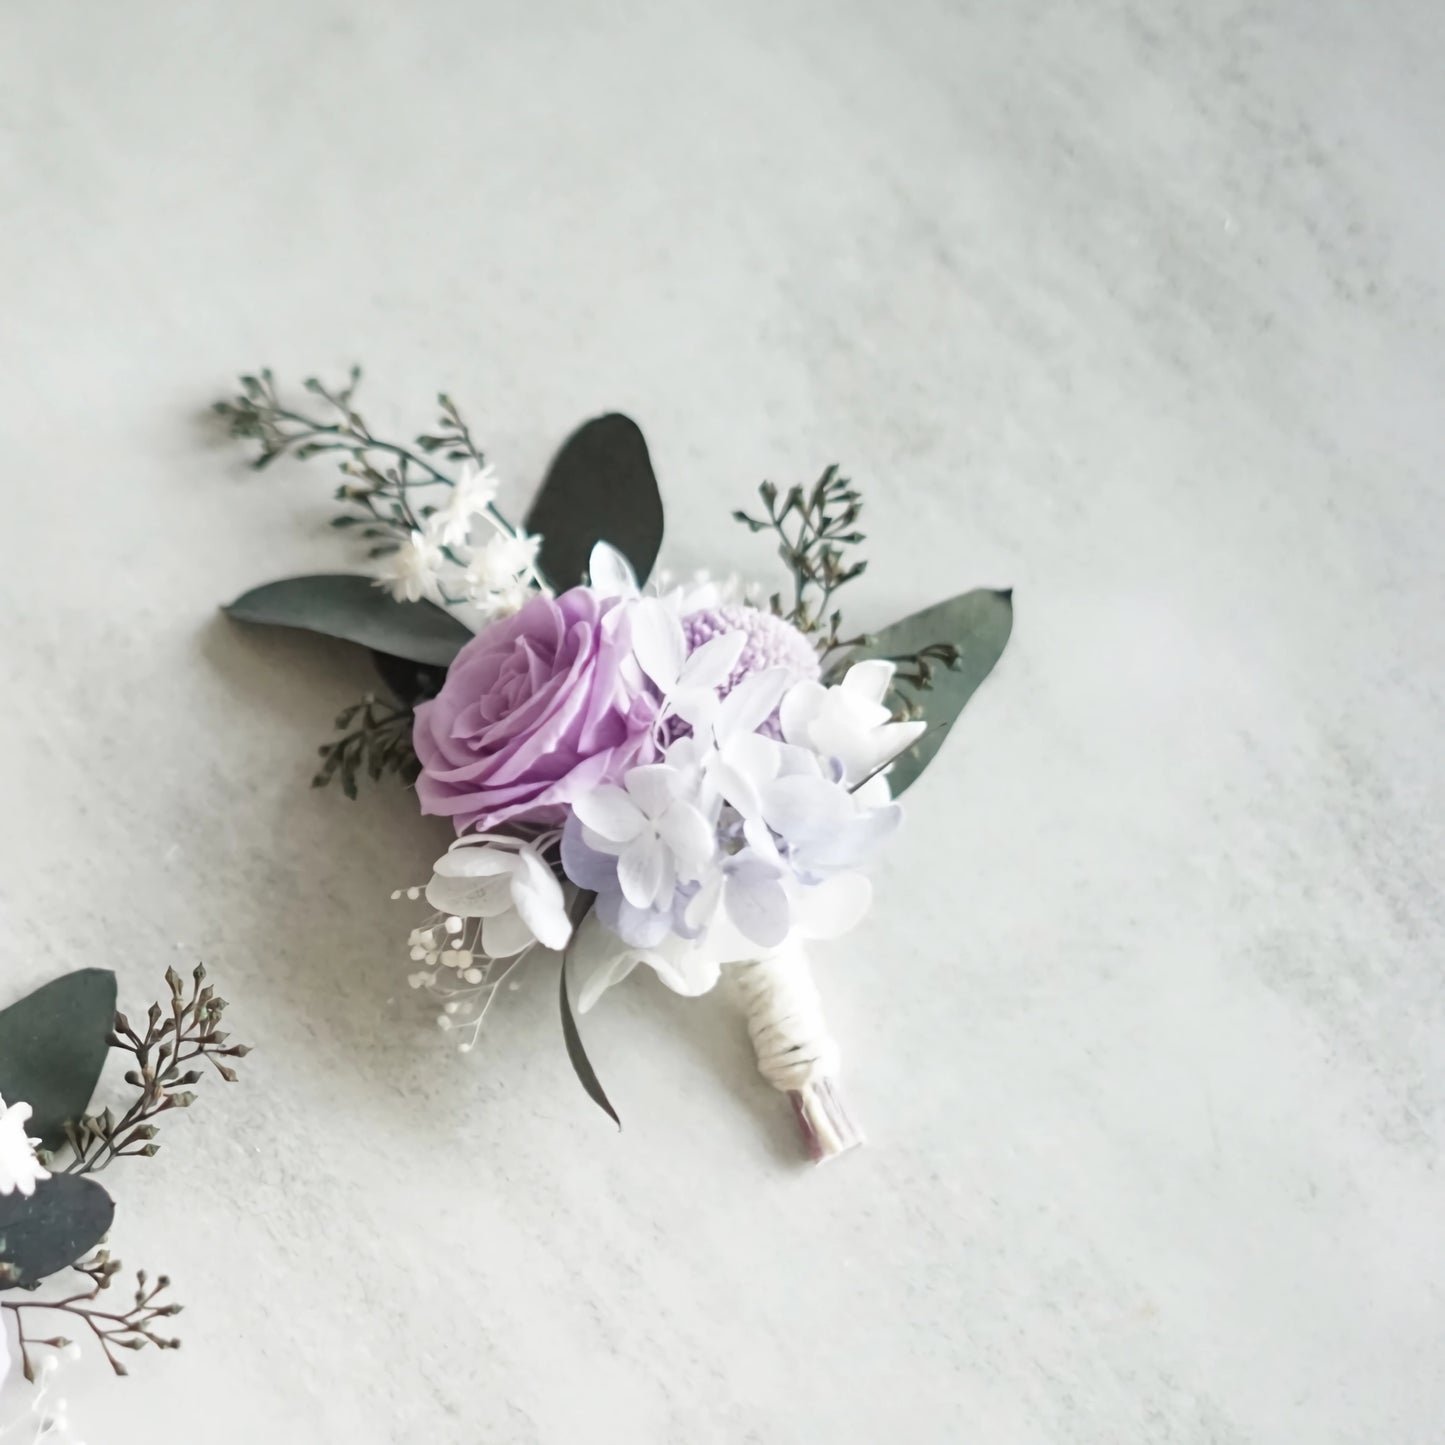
(1134, 307)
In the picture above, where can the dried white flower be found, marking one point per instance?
(19, 1168)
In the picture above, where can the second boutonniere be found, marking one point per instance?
(687, 776)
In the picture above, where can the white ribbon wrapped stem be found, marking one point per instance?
(796, 1054)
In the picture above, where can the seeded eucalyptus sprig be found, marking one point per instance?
(184, 1032)
(814, 527)
(386, 482)
(131, 1328)
(378, 744)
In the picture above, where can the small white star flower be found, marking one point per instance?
(413, 571)
(472, 493)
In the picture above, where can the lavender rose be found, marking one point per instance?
(535, 709)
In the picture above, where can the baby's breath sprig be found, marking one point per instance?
(131, 1328)
(378, 744)
(814, 528)
(184, 1032)
(382, 477)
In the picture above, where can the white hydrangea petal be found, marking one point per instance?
(686, 833)
(875, 793)
(696, 706)
(685, 968)
(658, 642)
(759, 758)
(869, 680)
(652, 787)
(736, 787)
(470, 897)
(759, 908)
(640, 870)
(752, 702)
(711, 664)
(475, 860)
(610, 813)
(803, 807)
(540, 901)
(704, 903)
(505, 934)
(596, 960)
(610, 573)
(833, 907)
(800, 705)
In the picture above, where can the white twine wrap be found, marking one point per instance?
(796, 1054)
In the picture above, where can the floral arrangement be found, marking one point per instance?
(690, 777)
(54, 1213)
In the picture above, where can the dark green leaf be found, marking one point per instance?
(356, 610)
(581, 1064)
(978, 624)
(600, 488)
(52, 1046)
(412, 682)
(60, 1223)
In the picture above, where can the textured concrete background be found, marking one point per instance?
(1134, 307)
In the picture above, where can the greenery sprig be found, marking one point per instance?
(378, 744)
(385, 480)
(814, 528)
(184, 1032)
(131, 1328)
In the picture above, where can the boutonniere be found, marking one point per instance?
(60, 1286)
(688, 776)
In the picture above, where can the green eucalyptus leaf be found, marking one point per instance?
(581, 1064)
(356, 610)
(411, 682)
(52, 1047)
(55, 1227)
(600, 488)
(977, 623)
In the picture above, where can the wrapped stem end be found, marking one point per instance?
(828, 1129)
(796, 1053)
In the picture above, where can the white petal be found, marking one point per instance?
(703, 904)
(598, 958)
(736, 787)
(831, 908)
(711, 664)
(759, 908)
(683, 967)
(608, 811)
(505, 935)
(800, 705)
(652, 787)
(696, 706)
(476, 860)
(470, 897)
(870, 679)
(874, 793)
(752, 702)
(658, 642)
(610, 573)
(687, 835)
(541, 902)
(640, 870)
(801, 807)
